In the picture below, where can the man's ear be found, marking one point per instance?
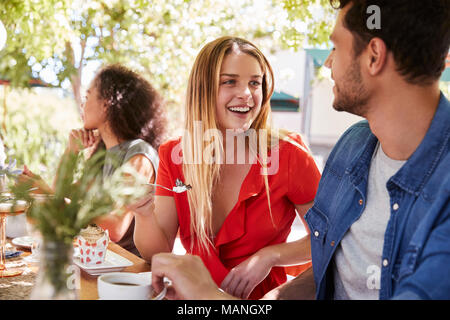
(376, 52)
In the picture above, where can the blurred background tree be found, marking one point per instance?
(309, 23)
(36, 128)
(62, 42)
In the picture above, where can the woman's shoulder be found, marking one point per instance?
(139, 146)
(290, 140)
(168, 145)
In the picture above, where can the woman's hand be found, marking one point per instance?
(243, 278)
(144, 206)
(27, 172)
(34, 180)
(81, 139)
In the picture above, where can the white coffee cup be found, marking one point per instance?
(127, 286)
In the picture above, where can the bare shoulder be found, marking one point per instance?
(142, 164)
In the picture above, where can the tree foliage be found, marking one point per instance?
(310, 22)
(159, 38)
(36, 127)
(36, 34)
(58, 41)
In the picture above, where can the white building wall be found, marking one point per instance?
(287, 120)
(324, 125)
(327, 124)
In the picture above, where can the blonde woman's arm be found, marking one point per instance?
(243, 278)
(302, 287)
(156, 225)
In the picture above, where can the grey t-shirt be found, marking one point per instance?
(358, 257)
(116, 157)
(121, 153)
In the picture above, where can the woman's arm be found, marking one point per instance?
(243, 278)
(302, 287)
(295, 252)
(156, 225)
(78, 139)
(34, 181)
(118, 224)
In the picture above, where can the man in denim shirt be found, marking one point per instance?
(380, 225)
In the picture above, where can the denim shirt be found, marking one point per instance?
(415, 260)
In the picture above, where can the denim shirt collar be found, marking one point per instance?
(413, 175)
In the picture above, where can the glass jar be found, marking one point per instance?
(57, 278)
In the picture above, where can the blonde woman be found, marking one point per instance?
(244, 195)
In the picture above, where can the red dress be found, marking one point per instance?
(248, 227)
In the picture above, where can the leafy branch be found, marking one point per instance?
(80, 196)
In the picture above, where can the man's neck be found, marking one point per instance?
(401, 118)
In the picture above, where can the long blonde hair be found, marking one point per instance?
(201, 106)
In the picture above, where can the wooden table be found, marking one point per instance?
(88, 283)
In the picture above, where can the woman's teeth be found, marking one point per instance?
(240, 109)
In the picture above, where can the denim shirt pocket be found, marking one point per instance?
(407, 264)
(318, 224)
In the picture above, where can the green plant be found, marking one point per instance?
(80, 196)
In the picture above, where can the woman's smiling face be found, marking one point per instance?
(240, 93)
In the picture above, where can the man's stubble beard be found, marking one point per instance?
(351, 94)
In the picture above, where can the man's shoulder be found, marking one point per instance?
(356, 133)
(439, 183)
(352, 141)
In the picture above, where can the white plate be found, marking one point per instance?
(24, 242)
(113, 263)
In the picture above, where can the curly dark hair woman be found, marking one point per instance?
(129, 116)
(123, 115)
(134, 108)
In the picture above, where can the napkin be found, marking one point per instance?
(12, 254)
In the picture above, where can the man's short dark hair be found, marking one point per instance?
(417, 32)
